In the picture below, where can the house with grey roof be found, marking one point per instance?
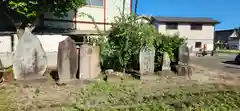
(230, 38)
(198, 31)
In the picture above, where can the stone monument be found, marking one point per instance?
(67, 62)
(89, 62)
(166, 62)
(146, 60)
(29, 58)
(183, 66)
(184, 56)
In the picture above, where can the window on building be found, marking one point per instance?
(196, 26)
(198, 44)
(98, 3)
(172, 26)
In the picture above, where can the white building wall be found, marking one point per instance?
(206, 35)
(50, 42)
(234, 44)
(6, 50)
(5, 43)
(113, 8)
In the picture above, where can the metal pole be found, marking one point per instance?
(124, 1)
(136, 5)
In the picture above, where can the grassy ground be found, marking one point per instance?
(229, 51)
(205, 97)
(151, 94)
(6, 98)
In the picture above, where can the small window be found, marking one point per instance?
(198, 44)
(196, 26)
(173, 26)
(98, 3)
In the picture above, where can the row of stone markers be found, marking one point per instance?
(146, 59)
(30, 60)
(68, 63)
(147, 56)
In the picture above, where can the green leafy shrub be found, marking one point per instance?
(229, 51)
(167, 43)
(124, 41)
(126, 38)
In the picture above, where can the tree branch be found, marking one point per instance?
(40, 11)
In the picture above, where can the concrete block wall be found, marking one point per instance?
(7, 59)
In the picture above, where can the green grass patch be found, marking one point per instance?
(6, 99)
(132, 97)
(229, 51)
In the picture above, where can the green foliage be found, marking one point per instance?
(169, 44)
(32, 8)
(229, 51)
(126, 38)
(128, 97)
(124, 41)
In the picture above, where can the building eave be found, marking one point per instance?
(184, 20)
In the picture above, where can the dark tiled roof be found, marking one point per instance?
(6, 33)
(51, 31)
(223, 34)
(185, 19)
(64, 31)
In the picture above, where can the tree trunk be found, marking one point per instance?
(24, 25)
(20, 29)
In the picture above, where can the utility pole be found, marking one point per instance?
(136, 5)
(124, 1)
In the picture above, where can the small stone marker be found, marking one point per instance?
(166, 62)
(183, 67)
(67, 62)
(29, 60)
(184, 57)
(146, 59)
(89, 62)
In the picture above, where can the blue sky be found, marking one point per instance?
(225, 11)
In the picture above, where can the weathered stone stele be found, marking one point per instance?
(184, 69)
(89, 62)
(166, 62)
(29, 59)
(184, 55)
(146, 60)
(67, 62)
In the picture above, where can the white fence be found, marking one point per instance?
(51, 59)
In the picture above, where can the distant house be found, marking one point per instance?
(198, 31)
(230, 37)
